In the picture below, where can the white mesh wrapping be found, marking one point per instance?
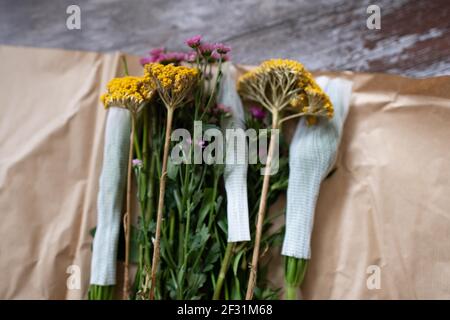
(235, 174)
(110, 196)
(311, 156)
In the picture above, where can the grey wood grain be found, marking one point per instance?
(414, 38)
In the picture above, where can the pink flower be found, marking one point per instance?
(221, 48)
(191, 56)
(215, 56)
(206, 49)
(171, 57)
(223, 108)
(155, 56)
(194, 42)
(157, 51)
(146, 60)
(137, 163)
(160, 55)
(257, 112)
(226, 57)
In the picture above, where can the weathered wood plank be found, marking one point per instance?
(414, 38)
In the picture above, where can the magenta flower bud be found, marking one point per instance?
(191, 56)
(226, 57)
(194, 42)
(146, 60)
(154, 56)
(157, 51)
(215, 56)
(257, 112)
(221, 48)
(170, 57)
(137, 163)
(206, 49)
(223, 108)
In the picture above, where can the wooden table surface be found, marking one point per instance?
(414, 38)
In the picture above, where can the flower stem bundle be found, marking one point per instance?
(130, 93)
(173, 84)
(287, 91)
(180, 243)
(294, 271)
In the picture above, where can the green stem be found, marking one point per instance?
(151, 188)
(137, 148)
(186, 235)
(172, 226)
(214, 89)
(295, 270)
(180, 242)
(210, 218)
(162, 189)
(291, 292)
(97, 292)
(223, 270)
(125, 65)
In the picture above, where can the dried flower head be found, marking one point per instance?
(173, 83)
(127, 92)
(279, 83)
(319, 103)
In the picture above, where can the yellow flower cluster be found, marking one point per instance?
(280, 83)
(275, 64)
(270, 68)
(173, 82)
(318, 101)
(128, 92)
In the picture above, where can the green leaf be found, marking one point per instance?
(236, 290)
(196, 281)
(206, 206)
(212, 257)
(134, 244)
(195, 199)
(218, 203)
(199, 239)
(223, 226)
(177, 200)
(236, 261)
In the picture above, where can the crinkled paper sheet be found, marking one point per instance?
(387, 204)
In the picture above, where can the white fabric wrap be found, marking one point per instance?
(110, 196)
(312, 155)
(235, 174)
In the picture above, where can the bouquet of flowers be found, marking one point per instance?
(180, 242)
(190, 237)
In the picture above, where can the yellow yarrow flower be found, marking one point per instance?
(173, 82)
(283, 64)
(281, 83)
(318, 102)
(127, 92)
